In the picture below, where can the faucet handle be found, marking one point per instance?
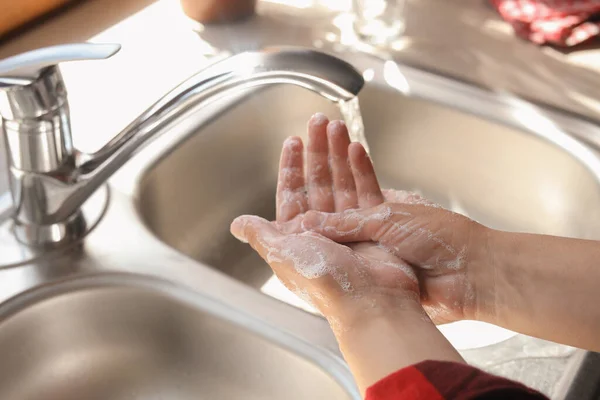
(31, 85)
(23, 69)
(34, 108)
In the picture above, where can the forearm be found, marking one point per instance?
(544, 286)
(378, 346)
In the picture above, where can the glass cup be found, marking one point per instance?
(379, 21)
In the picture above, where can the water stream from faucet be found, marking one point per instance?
(350, 110)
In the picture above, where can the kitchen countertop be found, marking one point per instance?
(466, 39)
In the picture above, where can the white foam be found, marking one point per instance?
(455, 264)
(387, 215)
(292, 144)
(289, 197)
(383, 215)
(310, 261)
(301, 206)
(458, 262)
(318, 119)
(286, 173)
(408, 271)
(405, 197)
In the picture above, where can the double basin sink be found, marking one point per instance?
(160, 301)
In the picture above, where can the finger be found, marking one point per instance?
(310, 254)
(261, 234)
(320, 194)
(355, 225)
(367, 187)
(344, 189)
(396, 228)
(291, 192)
(294, 225)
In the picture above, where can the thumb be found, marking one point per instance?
(261, 234)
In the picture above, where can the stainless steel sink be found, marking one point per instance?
(509, 176)
(116, 336)
(204, 329)
(456, 159)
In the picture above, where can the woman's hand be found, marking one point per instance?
(448, 251)
(538, 285)
(339, 174)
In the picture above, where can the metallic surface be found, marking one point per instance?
(14, 253)
(466, 39)
(131, 337)
(35, 111)
(39, 146)
(102, 330)
(47, 197)
(122, 242)
(533, 176)
(26, 68)
(68, 337)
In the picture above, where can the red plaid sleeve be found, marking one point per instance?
(559, 22)
(440, 380)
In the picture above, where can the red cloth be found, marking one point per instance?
(558, 22)
(440, 380)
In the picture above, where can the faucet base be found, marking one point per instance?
(23, 243)
(51, 235)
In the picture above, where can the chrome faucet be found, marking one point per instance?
(50, 179)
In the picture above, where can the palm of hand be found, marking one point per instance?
(340, 177)
(433, 240)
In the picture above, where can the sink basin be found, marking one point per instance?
(501, 176)
(121, 336)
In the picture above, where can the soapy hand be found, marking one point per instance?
(344, 285)
(443, 247)
(339, 198)
(342, 282)
(446, 250)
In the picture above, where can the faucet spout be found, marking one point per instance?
(326, 75)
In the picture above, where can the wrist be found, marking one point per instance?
(379, 342)
(531, 274)
(363, 312)
(482, 274)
